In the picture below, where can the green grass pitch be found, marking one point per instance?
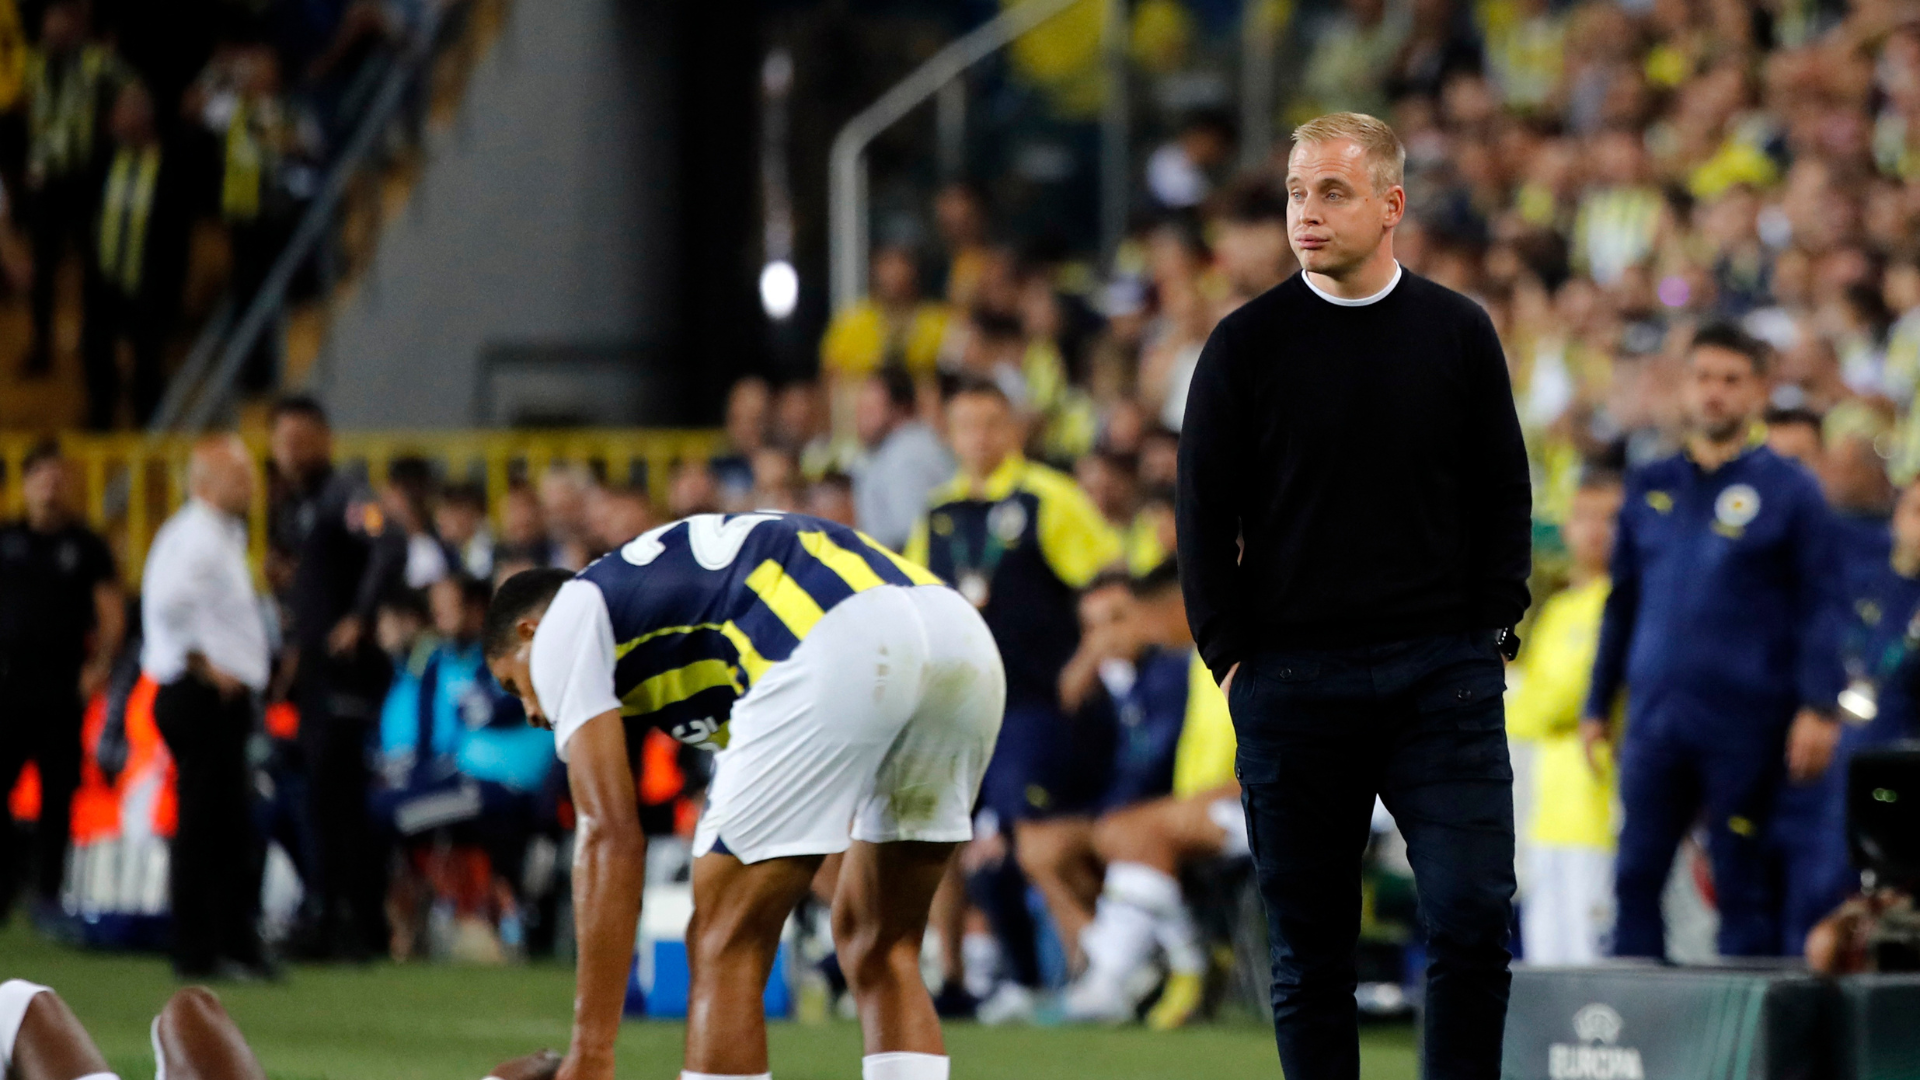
(419, 1022)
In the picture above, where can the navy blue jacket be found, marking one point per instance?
(1727, 593)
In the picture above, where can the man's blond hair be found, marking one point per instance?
(1386, 158)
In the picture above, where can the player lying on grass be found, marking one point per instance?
(193, 1039)
(853, 702)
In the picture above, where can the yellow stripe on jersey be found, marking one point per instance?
(625, 647)
(751, 661)
(785, 597)
(852, 568)
(916, 573)
(677, 684)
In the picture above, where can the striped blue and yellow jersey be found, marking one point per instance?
(702, 607)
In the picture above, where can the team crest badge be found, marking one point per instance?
(1737, 506)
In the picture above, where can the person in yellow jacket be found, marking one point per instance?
(892, 326)
(1567, 913)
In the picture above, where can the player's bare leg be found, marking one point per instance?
(1057, 855)
(738, 912)
(1162, 833)
(47, 1041)
(195, 1039)
(879, 919)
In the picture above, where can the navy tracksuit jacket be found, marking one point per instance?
(1722, 623)
(1877, 651)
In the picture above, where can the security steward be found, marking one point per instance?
(1722, 628)
(1019, 540)
(62, 616)
(1879, 648)
(344, 555)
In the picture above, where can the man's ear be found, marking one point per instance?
(524, 626)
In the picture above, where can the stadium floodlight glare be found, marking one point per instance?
(779, 288)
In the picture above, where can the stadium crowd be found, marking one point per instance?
(124, 125)
(1609, 180)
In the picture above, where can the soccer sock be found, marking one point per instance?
(15, 996)
(1157, 895)
(902, 1065)
(980, 955)
(1120, 938)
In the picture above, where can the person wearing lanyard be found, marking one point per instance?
(1018, 540)
(206, 647)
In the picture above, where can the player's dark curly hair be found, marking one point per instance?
(528, 590)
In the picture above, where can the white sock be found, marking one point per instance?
(1158, 895)
(1179, 938)
(1121, 937)
(980, 956)
(902, 1065)
(684, 1075)
(15, 996)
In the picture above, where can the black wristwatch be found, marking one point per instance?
(1507, 642)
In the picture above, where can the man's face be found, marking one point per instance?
(300, 445)
(45, 490)
(448, 606)
(895, 279)
(1335, 218)
(1253, 254)
(1589, 531)
(1723, 393)
(1109, 612)
(982, 431)
(872, 412)
(513, 671)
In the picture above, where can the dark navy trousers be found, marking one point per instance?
(1420, 724)
(1680, 764)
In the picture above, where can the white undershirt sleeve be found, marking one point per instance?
(571, 662)
(15, 996)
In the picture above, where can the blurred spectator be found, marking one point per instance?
(617, 514)
(776, 482)
(996, 352)
(265, 172)
(831, 497)
(691, 490)
(800, 425)
(1795, 434)
(563, 507)
(1182, 173)
(71, 85)
(903, 463)
(346, 555)
(1250, 243)
(893, 325)
(1353, 55)
(1567, 913)
(748, 422)
(136, 264)
(1853, 468)
(960, 215)
(1620, 215)
(523, 529)
(205, 644)
(409, 500)
(460, 518)
(62, 618)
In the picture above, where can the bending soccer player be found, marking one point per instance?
(854, 703)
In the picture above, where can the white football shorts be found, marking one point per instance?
(878, 728)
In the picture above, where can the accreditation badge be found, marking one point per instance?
(973, 586)
(1859, 702)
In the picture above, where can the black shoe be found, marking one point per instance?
(953, 1002)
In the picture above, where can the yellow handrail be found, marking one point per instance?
(129, 484)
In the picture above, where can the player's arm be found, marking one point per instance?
(609, 870)
(109, 630)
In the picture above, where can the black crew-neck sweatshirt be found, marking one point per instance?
(1371, 460)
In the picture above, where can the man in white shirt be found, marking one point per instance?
(206, 646)
(904, 460)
